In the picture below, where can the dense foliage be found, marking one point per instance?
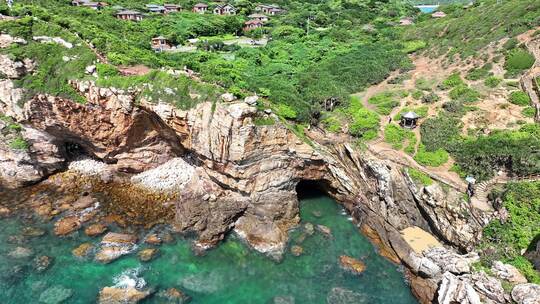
(505, 240)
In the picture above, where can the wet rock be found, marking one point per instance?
(153, 239)
(316, 213)
(507, 272)
(115, 245)
(16, 239)
(147, 254)
(42, 263)
(167, 237)
(83, 250)
(340, 295)
(67, 225)
(297, 250)
(526, 293)
(83, 202)
(325, 230)
(21, 253)
(351, 264)
(55, 295)
(4, 212)
(174, 296)
(95, 229)
(122, 295)
(33, 232)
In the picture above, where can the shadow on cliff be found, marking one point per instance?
(312, 188)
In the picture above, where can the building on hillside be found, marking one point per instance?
(252, 24)
(172, 8)
(438, 14)
(155, 8)
(89, 4)
(160, 44)
(409, 120)
(406, 21)
(200, 8)
(224, 9)
(269, 9)
(262, 18)
(129, 15)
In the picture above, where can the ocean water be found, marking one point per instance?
(231, 273)
(427, 9)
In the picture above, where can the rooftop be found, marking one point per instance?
(410, 115)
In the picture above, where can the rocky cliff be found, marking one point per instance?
(226, 173)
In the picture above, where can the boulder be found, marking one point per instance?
(526, 293)
(351, 264)
(83, 250)
(453, 290)
(115, 245)
(90, 69)
(507, 272)
(33, 232)
(147, 254)
(450, 261)
(95, 229)
(153, 239)
(251, 100)
(83, 202)
(325, 230)
(228, 97)
(67, 225)
(4, 212)
(309, 228)
(122, 295)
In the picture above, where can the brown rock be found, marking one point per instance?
(166, 237)
(95, 229)
(83, 202)
(351, 264)
(115, 245)
(42, 263)
(384, 250)
(174, 295)
(33, 232)
(67, 225)
(147, 254)
(4, 212)
(83, 250)
(153, 239)
(423, 289)
(119, 238)
(127, 295)
(297, 250)
(44, 210)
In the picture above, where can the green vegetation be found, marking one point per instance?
(396, 136)
(464, 93)
(452, 81)
(466, 31)
(419, 177)
(520, 98)
(12, 134)
(431, 158)
(438, 132)
(479, 73)
(528, 112)
(261, 121)
(412, 46)
(517, 61)
(492, 81)
(18, 143)
(505, 240)
(384, 102)
(364, 123)
(424, 84)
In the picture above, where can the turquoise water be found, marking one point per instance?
(229, 274)
(427, 9)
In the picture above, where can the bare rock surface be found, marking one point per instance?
(526, 293)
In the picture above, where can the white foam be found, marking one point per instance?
(129, 278)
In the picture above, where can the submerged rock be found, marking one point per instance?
(284, 300)
(340, 295)
(55, 295)
(297, 250)
(309, 228)
(351, 264)
(174, 296)
(148, 254)
(21, 253)
(325, 230)
(153, 239)
(83, 250)
(33, 232)
(42, 263)
(122, 295)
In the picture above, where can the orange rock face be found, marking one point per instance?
(67, 225)
(351, 264)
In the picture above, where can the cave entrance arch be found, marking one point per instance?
(74, 150)
(312, 188)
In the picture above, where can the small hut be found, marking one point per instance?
(438, 14)
(409, 120)
(159, 44)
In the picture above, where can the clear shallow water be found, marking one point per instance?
(426, 9)
(229, 274)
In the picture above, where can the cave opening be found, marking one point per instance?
(311, 188)
(74, 150)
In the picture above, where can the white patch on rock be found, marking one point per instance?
(507, 272)
(173, 175)
(57, 40)
(528, 293)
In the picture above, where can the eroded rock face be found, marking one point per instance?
(526, 293)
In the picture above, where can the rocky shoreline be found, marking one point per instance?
(211, 170)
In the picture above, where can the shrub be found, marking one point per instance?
(419, 176)
(453, 81)
(464, 93)
(106, 70)
(432, 159)
(332, 124)
(412, 46)
(261, 121)
(528, 112)
(424, 84)
(395, 136)
(479, 73)
(18, 143)
(520, 98)
(384, 102)
(364, 123)
(285, 111)
(492, 81)
(438, 132)
(417, 94)
(518, 60)
(430, 98)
